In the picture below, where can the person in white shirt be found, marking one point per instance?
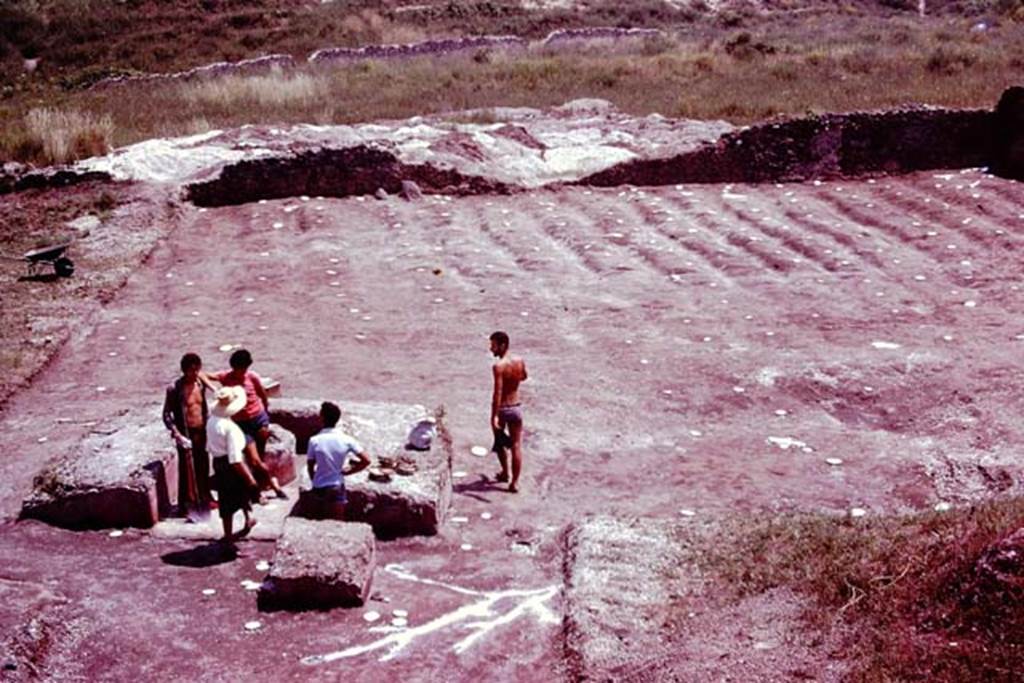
(325, 457)
(225, 443)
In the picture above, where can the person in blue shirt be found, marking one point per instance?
(326, 459)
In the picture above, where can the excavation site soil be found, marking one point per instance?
(693, 350)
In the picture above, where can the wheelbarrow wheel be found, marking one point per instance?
(64, 267)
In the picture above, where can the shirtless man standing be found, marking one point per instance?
(185, 414)
(506, 411)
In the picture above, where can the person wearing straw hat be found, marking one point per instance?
(226, 442)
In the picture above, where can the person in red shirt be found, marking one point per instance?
(253, 418)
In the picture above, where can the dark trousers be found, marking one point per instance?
(194, 472)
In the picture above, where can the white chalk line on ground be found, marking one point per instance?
(480, 617)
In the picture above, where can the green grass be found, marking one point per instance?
(905, 584)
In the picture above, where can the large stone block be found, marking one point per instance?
(319, 565)
(411, 505)
(280, 454)
(123, 474)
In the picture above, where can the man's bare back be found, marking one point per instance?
(509, 371)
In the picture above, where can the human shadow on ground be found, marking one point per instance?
(206, 555)
(482, 484)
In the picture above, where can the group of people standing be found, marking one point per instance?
(230, 437)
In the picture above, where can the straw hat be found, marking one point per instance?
(228, 401)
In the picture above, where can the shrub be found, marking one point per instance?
(69, 135)
(948, 61)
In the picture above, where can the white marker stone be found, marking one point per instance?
(478, 451)
(485, 515)
(399, 622)
(224, 347)
(253, 626)
(858, 512)
(101, 389)
(262, 566)
(116, 533)
(835, 462)
(687, 513)
(278, 225)
(970, 304)
(460, 474)
(371, 616)
(209, 591)
(781, 413)
(460, 520)
(942, 506)
(885, 345)
(42, 439)
(466, 546)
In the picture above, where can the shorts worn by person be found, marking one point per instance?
(326, 457)
(226, 444)
(252, 418)
(506, 411)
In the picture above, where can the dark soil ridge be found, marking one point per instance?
(358, 170)
(825, 147)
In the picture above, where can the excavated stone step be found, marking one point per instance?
(124, 474)
(411, 505)
(319, 565)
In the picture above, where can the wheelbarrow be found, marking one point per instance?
(52, 256)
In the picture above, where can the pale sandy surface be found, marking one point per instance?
(696, 347)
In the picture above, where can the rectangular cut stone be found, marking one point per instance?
(617, 597)
(123, 474)
(319, 565)
(411, 505)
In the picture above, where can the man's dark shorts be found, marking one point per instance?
(232, 490)
(252, 426)
(321, 503)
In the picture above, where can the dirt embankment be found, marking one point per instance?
(821, 147)
(356, 170)
(827, 146)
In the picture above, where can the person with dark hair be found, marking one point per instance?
(185, 413)
(253, 418)
(326, 458)
(506, 410)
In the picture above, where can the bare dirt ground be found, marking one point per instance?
(695, 347)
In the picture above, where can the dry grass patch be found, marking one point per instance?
(58, 136)
(905, 586)
(271, 91)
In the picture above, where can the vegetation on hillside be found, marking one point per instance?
(735, 64)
